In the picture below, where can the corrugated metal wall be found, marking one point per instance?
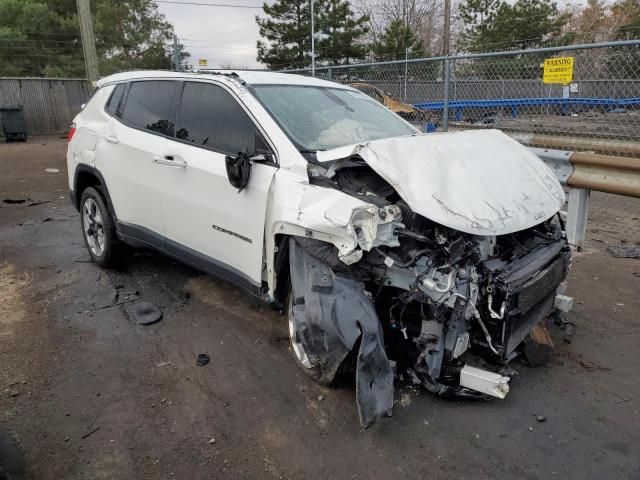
(49, 103)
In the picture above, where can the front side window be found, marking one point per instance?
(209, 116)
(149, 106)
(322, 118)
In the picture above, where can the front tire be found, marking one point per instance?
(299, 352)
(98, 228)
(307, 363)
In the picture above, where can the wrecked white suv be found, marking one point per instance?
(431, 256)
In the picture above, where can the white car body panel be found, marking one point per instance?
(82, 147)
(301, 209)
(201, 210)
(131, 174)
(477, 181)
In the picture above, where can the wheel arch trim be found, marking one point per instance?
(76, 195)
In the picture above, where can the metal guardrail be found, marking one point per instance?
(582, 172)
(626, 148)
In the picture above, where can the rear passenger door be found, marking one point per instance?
(139, 131)
(221, 228)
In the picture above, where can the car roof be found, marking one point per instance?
(250, 77)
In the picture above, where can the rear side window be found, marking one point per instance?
(209, 116)
(149, 106)
(115, 99)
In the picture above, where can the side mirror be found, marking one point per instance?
(262, 158)
(238, 170)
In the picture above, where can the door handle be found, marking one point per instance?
(170, 160)
(111, 139)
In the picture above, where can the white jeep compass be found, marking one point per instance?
(390, 251)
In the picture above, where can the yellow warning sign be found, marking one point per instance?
(558, 70)
(202, 62)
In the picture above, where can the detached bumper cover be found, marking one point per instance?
(332, 313)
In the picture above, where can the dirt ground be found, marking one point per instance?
(90, 394)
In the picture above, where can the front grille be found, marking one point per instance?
(517, 327)
(529, 301)
(533, 291)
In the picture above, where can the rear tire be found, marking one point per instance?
(98, 228)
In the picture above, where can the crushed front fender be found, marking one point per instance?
(332, 312)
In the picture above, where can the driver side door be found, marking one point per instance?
(207, 222)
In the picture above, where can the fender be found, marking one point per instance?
(74, 195)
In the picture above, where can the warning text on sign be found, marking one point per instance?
(558, 70)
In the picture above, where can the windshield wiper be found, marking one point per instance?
(309, 155)
(338, 100)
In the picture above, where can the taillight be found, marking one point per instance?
(72, 130)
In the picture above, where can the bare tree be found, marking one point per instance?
(424, 17)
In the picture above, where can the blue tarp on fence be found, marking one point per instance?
(514, 103)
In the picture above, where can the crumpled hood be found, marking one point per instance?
(477, 181)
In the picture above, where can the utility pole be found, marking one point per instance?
(446, 35)
(177, 50)
(88, 41)
(406, 72)
(313, 42)
(406, 47)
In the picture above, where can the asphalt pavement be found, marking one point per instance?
(90, 394)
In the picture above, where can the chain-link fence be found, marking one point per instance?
(597, 110)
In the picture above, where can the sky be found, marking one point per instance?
(221, 35)
(225, 36)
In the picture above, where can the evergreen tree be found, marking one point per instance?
(499, 25)
(40, 37)
(286, 34)
(394, 41)
(341, 31)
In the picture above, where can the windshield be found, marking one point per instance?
(322, 118)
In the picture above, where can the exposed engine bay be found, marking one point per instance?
(454, 308)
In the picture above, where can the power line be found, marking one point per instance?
(209, 4)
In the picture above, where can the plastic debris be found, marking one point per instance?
(202, 360)
(625, 251)
(145, 313)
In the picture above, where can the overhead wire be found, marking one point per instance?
(202, 4)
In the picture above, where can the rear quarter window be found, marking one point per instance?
(149, 106)
(115, 100)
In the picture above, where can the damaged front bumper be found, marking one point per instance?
(458, 304)
(450, 246)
